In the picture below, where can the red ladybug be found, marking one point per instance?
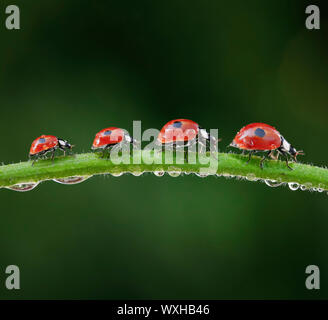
(262, 137)
(110, 137)
(185, 131)
(45, 144)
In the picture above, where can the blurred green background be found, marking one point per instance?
(76, 67)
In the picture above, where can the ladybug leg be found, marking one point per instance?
(286, 159)
(264, 157)
(53, 155)
(104, 149)
(34, 160)
(290, 168)
(249, 157)
(108, 153)
(109, 148)
(274, 156)
(104, 152)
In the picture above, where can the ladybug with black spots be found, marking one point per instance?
(45, 144)
(108, 138)
(258, 137)
(185, 131)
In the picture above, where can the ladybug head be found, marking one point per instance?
(287, 147)
(63, 144)
(294, 153)
(204, 134)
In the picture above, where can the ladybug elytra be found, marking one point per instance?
(257, 137)
(45, 144)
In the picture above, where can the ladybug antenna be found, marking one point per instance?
(232, 144)
(300, 152)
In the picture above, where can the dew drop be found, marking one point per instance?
(201, 175)
(293, 186)
(303, 187)
(307, 186)
(137, 173)
(321, 188)
(72, 180)
(174, 172)
(273, 183)
(22, 187)
(116, 174)
(159, 173)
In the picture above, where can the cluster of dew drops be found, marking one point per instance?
(173, 172)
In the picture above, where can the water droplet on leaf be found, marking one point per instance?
(22, 187)
(293, 186)
(201, 175)
(174, 172)
(116, 174)
(273, 183)
(72, 180)
(159, 173)
(137, 172)
(303, 187)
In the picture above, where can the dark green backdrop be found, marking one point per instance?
(76, 67)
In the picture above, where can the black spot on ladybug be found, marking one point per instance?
(260, 132)
(42, 140)
(107, 133)
(177, 124)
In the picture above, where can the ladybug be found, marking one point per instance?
(185, 131)
(45, 144)
(110, 137)
(257, 137)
